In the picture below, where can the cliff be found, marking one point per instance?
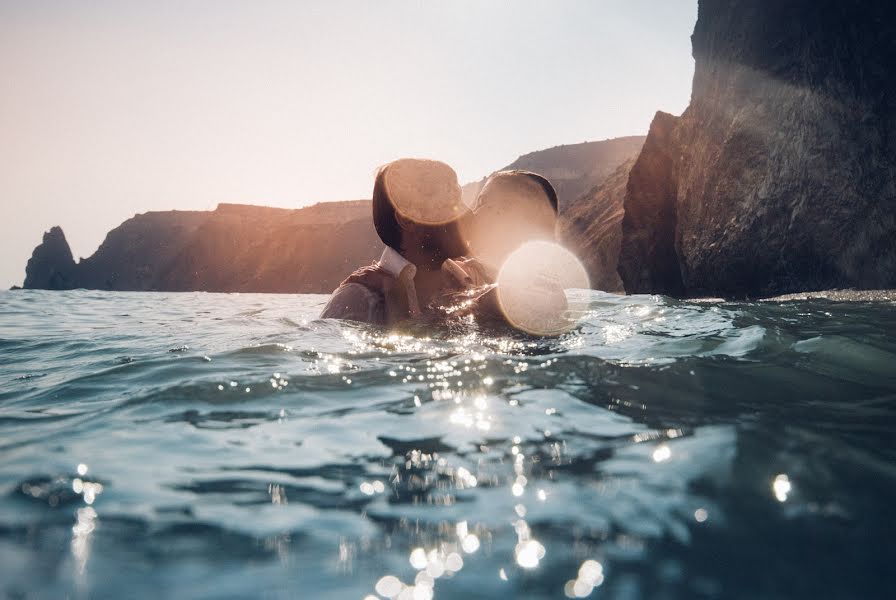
(592, 227)
(780, 176)
(234, 248)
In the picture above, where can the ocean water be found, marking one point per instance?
(230, 446)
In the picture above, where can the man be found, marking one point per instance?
(515, 215)
(513, 207)
(416, 209)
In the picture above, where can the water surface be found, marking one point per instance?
(232, 446)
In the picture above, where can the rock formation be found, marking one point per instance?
(234, 248)
(51, 266)
(781, 174)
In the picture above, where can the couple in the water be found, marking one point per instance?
(443, 257)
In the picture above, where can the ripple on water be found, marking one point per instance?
(222, 436)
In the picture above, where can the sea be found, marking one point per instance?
(198, 445)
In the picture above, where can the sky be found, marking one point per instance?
(113, 108)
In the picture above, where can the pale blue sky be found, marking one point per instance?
(110, 108)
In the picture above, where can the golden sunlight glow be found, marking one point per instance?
(531, 286)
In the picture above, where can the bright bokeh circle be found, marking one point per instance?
(532, 284)
(425, 191)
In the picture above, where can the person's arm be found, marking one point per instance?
(355, 302)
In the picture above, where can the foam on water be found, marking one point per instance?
(211, 445)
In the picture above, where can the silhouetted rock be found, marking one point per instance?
(235, 248)
(51, 266)
(781, 174)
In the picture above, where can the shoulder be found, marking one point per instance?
(355, 301)
(373, 277)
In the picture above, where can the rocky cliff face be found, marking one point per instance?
(231, 249)
(781, 174)
(592, 226)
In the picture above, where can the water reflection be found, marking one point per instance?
(81, 535)
(591, 575)
(781, 487)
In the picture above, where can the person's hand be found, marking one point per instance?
(465, 273)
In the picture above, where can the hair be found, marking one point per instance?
(542, 181)
(385, 221)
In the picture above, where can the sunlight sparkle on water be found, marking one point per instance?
(388, 586)
(370, 488)
(591, 575)
(782, 487)
(529, 554)
(470, 544)
(454, 562)
(418, 558)
(662, 453)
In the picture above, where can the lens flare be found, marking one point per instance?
(425, 191)
(532, 284)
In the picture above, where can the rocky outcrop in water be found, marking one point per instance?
(51, 266)
(781, 174)
(234, 248)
